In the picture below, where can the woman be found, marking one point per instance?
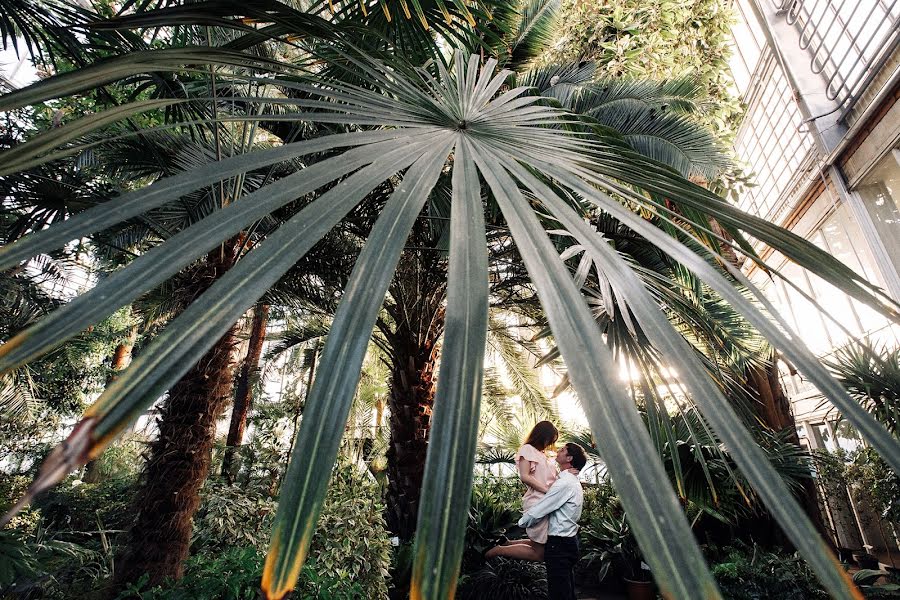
(538, 474)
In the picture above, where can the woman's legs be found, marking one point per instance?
(520, 549)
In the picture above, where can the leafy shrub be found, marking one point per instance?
(745, 573)
(505, 579)
(232, 516)
(34, 566)
(74, 506)
(351, 543)
(599, 499)
(875, 483)
(867, 580)
(232, 574)
(348, 558)
(12, 487)
(493, 513)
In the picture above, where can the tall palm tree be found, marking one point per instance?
(521, 155)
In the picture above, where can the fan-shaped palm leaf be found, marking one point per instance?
(513, 144)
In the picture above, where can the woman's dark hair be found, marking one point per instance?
(542, 435)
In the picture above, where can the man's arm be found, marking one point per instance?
(554, 498)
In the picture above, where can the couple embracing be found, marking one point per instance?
(552, 506)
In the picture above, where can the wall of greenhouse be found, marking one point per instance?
(820, 80)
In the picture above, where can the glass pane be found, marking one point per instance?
(880, 192)
(825, 434)
(847, 437)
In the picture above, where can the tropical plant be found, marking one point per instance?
(610, 546)
(493, 512)
(875, 484)
(645, 40)
(871, 375)
(232, 516)
(753, 573)
(867, 580)
(525, 153)
(36, 562)
(505, 579)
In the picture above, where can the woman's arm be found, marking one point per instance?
(530, 480)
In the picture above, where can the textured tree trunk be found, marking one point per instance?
(243, 398)
(121, 358)
(178, 460)
(774, 410)
(417, 292)
(410, 400)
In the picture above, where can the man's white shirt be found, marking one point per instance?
(563, 502)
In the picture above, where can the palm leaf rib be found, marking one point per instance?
(513, 141)
(329, 402)
(621, 437)
(162, 262)
(194, 331)
(795, 351)
(442, 516)
(715, 406)
(167, 190)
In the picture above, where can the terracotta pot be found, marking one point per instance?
(639, 590)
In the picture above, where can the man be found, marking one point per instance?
(563, 503)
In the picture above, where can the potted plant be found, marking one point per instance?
(615, 548)
(866, 561)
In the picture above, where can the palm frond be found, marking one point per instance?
(518, 359)
(503, 139)
(871, 374)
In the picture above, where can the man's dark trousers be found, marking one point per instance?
(560, 556)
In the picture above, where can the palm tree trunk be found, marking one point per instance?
(178, 464)
(411, 399)
(773, 409)
(243, 398)
(178, 461)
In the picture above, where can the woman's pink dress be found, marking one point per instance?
(543, 470)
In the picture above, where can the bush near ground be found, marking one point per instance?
(58, 552)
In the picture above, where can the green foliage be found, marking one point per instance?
(232, 574)
(872, 377)
(351, 544)
(123, 458)
(505, 579)
(599, 498)
(232, 516)
(745, 573)
(608, 543)
(37, 564)
(875, 483)
(494, 510)
(75, 507)
(35, 399)
(869, 477)
(867, 580)
(349, 556)
(17, 560)
(12, 487)
(656, 40)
